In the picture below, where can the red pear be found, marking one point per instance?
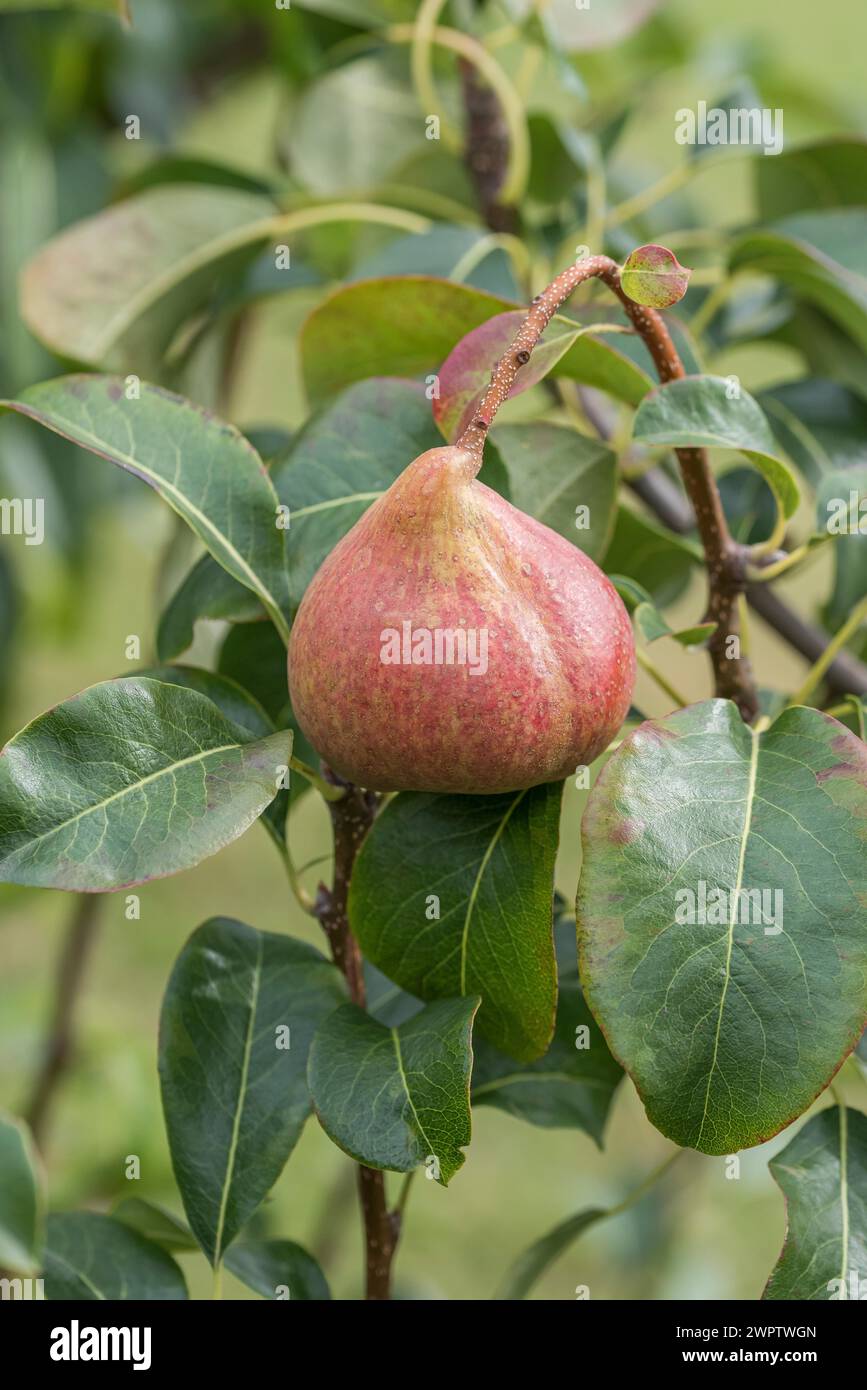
(450, 643)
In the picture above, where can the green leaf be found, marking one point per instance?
(822, 1174)
(272, 1266)
(244, 710)
(234, 1094)
(237, 704)
(364, 13)
(207, 591)
(583, 30)
(167, 248)
(20, 1199)
(532, 1263)
(253, 656)
(660, 562)
(569, 349)
(344, 459)
(821, 256)
(408, 325)
(120, 8)
(821, 425)
(552, 472)
(396, 1098)
(205, 469)
(90, 1257)
(730, 1023)
(571, 1087)
(155, 1224)
(825, 174)
(696, 411)
(652, 275)
(355, 125)
(131, 780)
(484, 865)
(652, 625)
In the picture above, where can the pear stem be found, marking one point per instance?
(725, 559)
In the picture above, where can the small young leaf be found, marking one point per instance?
(20, 1199)
(272, 1266)
(452, 895)
(239, 1011)
(728, 988)
(131, 780)
(823, 1176)
(205, 469)
(397, 1098)
(652, 275)
(90, 1257)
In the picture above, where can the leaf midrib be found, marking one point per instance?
(735, 894)
(135, 787)
(474, 893)
(179, 501)
(239, 1107)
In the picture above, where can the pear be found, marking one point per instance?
(450, 643)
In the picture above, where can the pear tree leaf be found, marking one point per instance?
(120, 8)
(21, 1200)
(243, 709)
(727, 984)
(820, 255)
(829, 173)
(652, 625)
(821, 425)
(342, 461)
(571, 1087)
(468, 910)
(652, 275)
(131, 780)
(397, 1098)
(278, 1269)
(155, 1224)
(532, 1263)
(822, 1174)
(653, 560)
(587, 29)
(408, 325)
(166, 246)
(565, 349)
(696, 411)
(562, 478)
(206, 591)
(239, 1011)
(203, 468)
(90, 1257)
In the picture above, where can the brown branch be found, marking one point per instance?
(845, 675)
(486, 152)
(58, 1051)
(724, 557)
(351, 818)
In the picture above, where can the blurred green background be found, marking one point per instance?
(206, 83)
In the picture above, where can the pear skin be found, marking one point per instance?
(450, 643)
